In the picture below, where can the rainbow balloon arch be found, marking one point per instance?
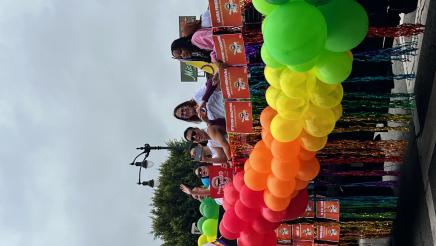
(307, 55)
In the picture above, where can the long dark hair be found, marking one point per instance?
(190, 103)
(197, 54)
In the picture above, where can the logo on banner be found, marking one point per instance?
(236, 48)
(231, 7)
(240, 84)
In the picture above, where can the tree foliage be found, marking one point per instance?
(173, 211)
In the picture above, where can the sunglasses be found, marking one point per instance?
(193, 136)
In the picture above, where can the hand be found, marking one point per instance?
(185, 189)
(201, 107)
(203, 115)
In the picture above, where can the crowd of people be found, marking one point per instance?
(210, 144)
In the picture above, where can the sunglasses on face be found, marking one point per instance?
(194, 136)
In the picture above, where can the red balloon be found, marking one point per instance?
(269, 239)
(232, 222)
(238, 181)
(250, 198)
(231, 195)
(261, 225)
(251, 237)
(226, 205)
(225, 233)
(273, 216)
(245, 213)
(298, 205)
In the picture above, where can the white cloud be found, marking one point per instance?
(83, 84)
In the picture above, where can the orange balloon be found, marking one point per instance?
(299, 184)
(306, 155)
(247, 165)
(254, 180)
(267, 137)
(285, 171)
(308, 170)
(284, 151)
(266, 117)
(280, 188)
(260, 160)
(260, 145)
(275, 203)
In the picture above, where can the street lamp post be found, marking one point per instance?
(146, 163)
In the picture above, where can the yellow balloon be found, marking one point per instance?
(310, 142)
(319, 122)
(294, 84)
(291, 108)
(211, 239)
(272, 76)
(284, 130)
(325, 95)
(271, 96)
(202, 240)
(337, 111)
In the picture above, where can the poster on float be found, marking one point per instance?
(230, 48)
(328, 209)
(218, 177)
(234, 83)
(225, 13)
(239, 116)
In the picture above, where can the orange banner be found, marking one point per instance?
(225, 13)
(239, 117)
(230, 48)
(234, 83)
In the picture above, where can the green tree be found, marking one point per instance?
(173, 211)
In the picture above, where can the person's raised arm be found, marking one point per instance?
(218, 136)
(219, 158)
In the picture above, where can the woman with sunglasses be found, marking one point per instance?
(214, 136)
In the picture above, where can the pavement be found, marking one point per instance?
(416, 219)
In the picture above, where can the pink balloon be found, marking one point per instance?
(231, 195)
(261, 225)
(225, 233)
(273, 216)
(238, 180)
(250, 198)
(298, 205)
(269, 239)
(251, 237)
(232, 222)
(245, 213)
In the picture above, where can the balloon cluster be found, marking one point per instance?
(248, 219)
(306, 52)
(208, 224)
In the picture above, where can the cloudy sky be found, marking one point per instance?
(83, 83)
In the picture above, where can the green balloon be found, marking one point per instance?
(263, 7)
(333, 67)
(317, 2)
(347, 24)
(202, 208)
(295, 33)
(268, 60)
(211, 211)
(210, 227)
(305, 66)
(200, 223)
(277, 2)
